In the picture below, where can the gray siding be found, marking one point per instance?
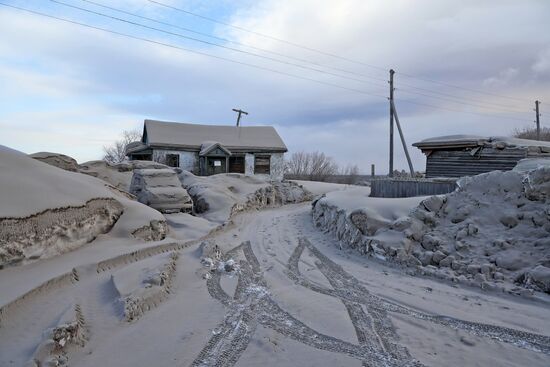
(458, 163)
(395, 188)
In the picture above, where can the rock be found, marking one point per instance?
(456, 265)
(426, 258)
(479, 278)
(446, 262)
(461, 233)
(498, 276)
(473, 269)
(402, 224)
(539, 277)
(57, 160)
(487, 268)
(511, 260)
(438, 256)
(461, 214)
(434, 203)
(430, 242)
(413, 261)
(460, 246)
(471, 229)
(508, 221)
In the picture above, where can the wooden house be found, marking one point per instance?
(212, 149)
(467, 155)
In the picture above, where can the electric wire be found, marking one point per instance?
(241, 63)
(168, 6)
(453, 100)
(211, 43)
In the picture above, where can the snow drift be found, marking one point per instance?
(218, 197)
(45, 210)
(493, 231)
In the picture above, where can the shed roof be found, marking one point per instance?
(459, 141)
(176, 134)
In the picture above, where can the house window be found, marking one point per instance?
(262, 165)
(173, 160)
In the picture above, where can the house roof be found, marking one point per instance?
(208, 146)
(461, 141)
(192, 136)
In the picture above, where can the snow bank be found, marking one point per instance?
(493, 231)
(216, 198)
(57, 160)
(119, 174)
(320, 188)
(70, 330)
(144, 285)
(45, 210)
(160, 189)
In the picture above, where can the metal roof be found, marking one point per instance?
(463, 141)
(191, 136)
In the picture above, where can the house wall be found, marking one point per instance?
(249, 164)
(277, 166)
(276, 162)
(468, 162)
(189, 161)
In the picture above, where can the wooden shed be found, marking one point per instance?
(468, 155)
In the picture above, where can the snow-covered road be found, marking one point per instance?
(293, 298)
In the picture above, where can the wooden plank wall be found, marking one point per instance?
(458, 163)
(395, 188)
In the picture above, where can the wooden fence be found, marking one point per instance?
(401, 188)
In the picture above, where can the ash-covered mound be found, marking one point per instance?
(493, 231)
(46, 211)
(161, 189)
(117, 174)
(216, 198)
(57, 160)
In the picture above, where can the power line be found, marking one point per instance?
(455, 97)
(453, 100)
(239, 62)
(326, 53)
(460, 111)
(463, 88)
(263, 35)
(211, 43)
(191, 51)
(232, 41)
(253, 54)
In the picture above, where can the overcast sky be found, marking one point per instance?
(70, 89)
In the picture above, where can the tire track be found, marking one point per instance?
(350, 289)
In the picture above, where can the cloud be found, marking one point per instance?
(65, 80)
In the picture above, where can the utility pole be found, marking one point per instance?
(538, 118)
(239, 111)
(391, 121)
(402, 139)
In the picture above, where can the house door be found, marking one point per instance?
(215, 165)
(236, 164)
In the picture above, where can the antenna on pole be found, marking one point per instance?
(240, 112)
